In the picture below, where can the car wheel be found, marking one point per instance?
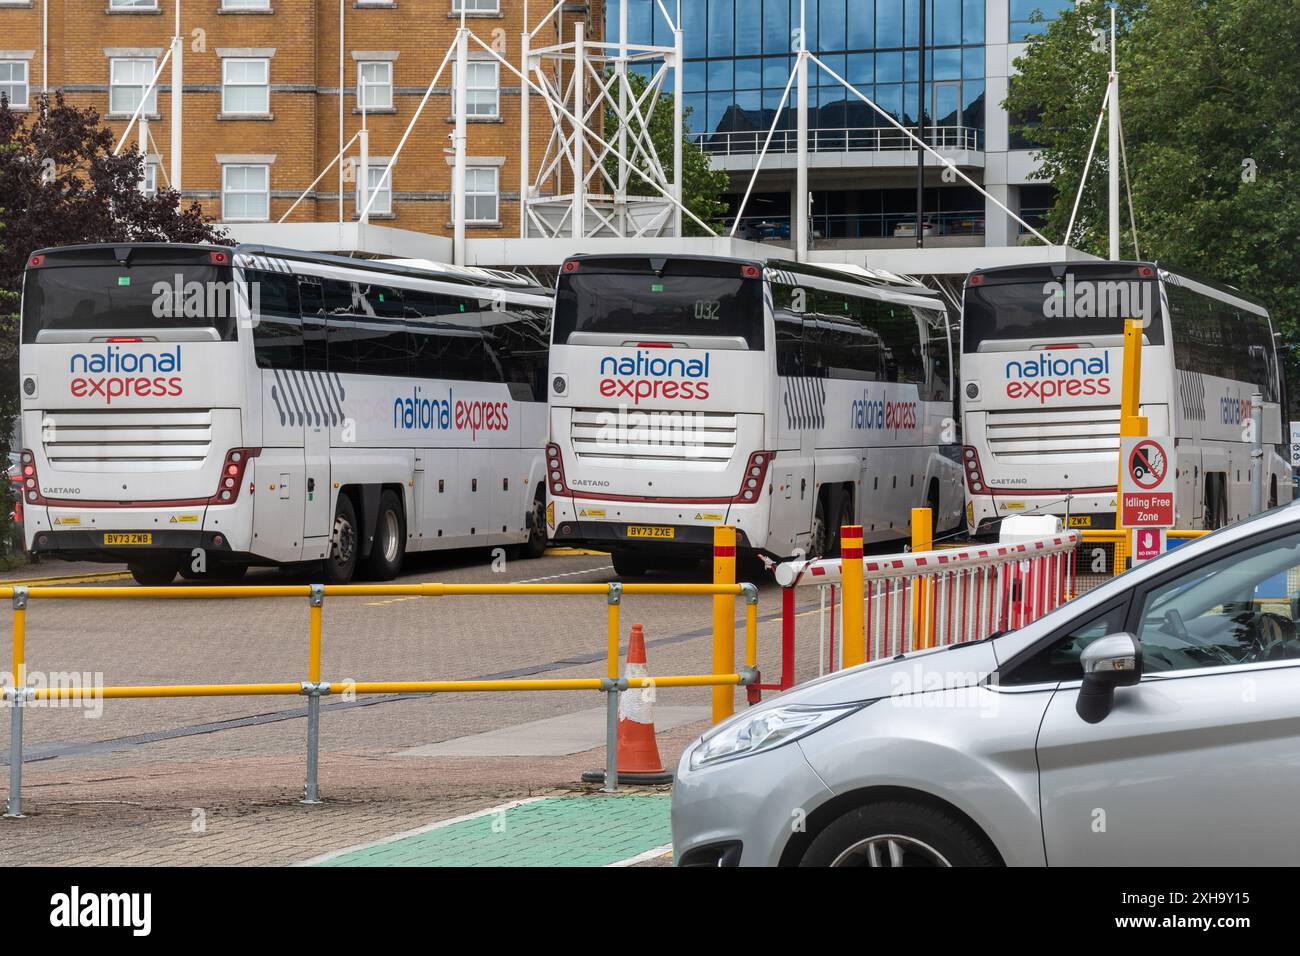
(345, 544)
(628, 566)
(898, 834)
(535, 546)
(152, 574)
(385, 558)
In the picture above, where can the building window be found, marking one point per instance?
(13, 83)
(245, 4)
(245, 86)
(476, 6)
(481, 194)
(1022, 26)
(133, 4)
(128, 79)
(375, 85)
(246, 193)
(383, 204)
(149, 179)
(483, 94)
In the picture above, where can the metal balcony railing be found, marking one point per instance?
(850, 140)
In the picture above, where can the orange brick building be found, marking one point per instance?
(261, 97)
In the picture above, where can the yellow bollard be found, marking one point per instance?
(724, 619)
(922, 540)
(855, 647)
(1130, 423)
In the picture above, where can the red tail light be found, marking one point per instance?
(751, 486)
(1146, 272)
(219, 258)
(125, 338)
(36, 261)
(555, 471)
(232, 475)
(974, 475)
(31, 482)
(977, 279)
(570, 265)
(750, 272)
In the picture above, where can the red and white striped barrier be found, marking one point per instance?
(935, 598)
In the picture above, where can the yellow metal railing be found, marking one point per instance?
(1121, 538)
(723, 593)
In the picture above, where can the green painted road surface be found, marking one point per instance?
(592, 830)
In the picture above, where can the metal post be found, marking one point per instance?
(920, 132)
(313, 688)
(611, 737)
(1257, 453)
(178, 119)
(525, 132)
(363, 172)
(679, 129)
(17, 695)
(620, 184)
(458, 170)
(341, 79)
(143, 131)
(801, 149)
(1112, 161)
(578, 216)
(724, 619)
(853, 645)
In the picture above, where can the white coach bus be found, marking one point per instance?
(786, 400)
(1041, 370)
(198, 409)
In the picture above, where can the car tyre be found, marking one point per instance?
(345, 544)
(389, 547)
(898, 833)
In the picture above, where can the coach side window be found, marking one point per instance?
(789, 329)
(315, 358)
(277, 325)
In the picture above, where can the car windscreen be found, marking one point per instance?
(649, 306)
(1050, 311)
(108, 298)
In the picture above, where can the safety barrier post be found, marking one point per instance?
(854, 641)
(1131, 422)
(922, 540)
(313, 688)
(17, 696)
(724, 620)
(610, 685)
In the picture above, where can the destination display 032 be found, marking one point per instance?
(1147, 485)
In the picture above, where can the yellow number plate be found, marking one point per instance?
(1080, 521)
(647, 531)
(135, 538)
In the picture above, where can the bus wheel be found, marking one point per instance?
(386, 553)
(819, 540)
(627, 565)
(341, 562)
(152, 574)
(847, 517)
(535, 546)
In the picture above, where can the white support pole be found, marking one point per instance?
(762, 153)
(458, 144)
(525, 133)
(363, 176)
(338, 158)
(45, 46)
(579, 144)
(620, 186)
(178, 115)
(679, 129)
(1112, 198)
(143, 131)
(138, 113)
(801, 145)
(342, 75)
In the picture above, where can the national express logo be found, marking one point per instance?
(111, 373)
(646, 376)
(429, 413)
(1048, 376)
(879, 414)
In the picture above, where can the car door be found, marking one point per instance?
(1199, 763)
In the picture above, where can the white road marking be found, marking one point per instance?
(428, 827)
(643, 857)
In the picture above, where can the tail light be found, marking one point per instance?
(750, 272)
(976, 279)
(232, 475)
(751, 486)
(30, 481)
(974, 475)
(219, 258)
(555, 470)
(1146, 272)
(36, 261)
(570, 265)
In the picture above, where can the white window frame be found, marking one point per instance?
(372, 88)
(227, 85)
(25, 83)
(245, 4)
(227, 191)
(383, 204)
(476, 6)
(133, 4)
(150, 65)
(478, 194)
(149, 179)
(471, 110)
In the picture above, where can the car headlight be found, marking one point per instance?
(765, 730)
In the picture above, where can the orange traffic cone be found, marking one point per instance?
(638, 753)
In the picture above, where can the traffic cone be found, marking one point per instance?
(638, 753)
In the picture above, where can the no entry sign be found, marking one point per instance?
(1147, 481)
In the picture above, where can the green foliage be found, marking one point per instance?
(1210, 97)
(702, 185)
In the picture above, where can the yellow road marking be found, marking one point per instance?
(91, 578)
(565, 552)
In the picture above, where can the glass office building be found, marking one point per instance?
(738, 60)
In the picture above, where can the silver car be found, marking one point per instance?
(1154, 720)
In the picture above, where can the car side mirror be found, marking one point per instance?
(1110, 662)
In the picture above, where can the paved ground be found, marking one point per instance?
(216, 780)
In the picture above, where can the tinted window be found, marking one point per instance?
(789, 331)
(381, 348)
(1060, 659)
(277, 325)
(1216, 338)
(649, 305)
(520, 345)
(1043, 310)
(315, 358)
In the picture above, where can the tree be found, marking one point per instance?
(1210, 97)
(61, 184)
(702, 185)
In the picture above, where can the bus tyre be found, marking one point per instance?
(535, 546)
(627, 565)
(898, 833)
(341, 562)
(819, 541)
(389, 547)
(847, 517)
(152, 574)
